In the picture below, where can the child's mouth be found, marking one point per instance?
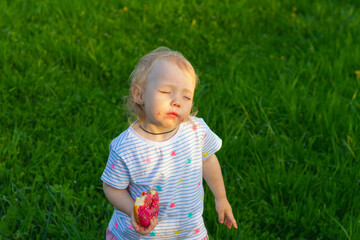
(173, 114)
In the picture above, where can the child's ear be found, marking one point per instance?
(137, 94)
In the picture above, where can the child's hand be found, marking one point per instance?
(224, 209)
(144, 230)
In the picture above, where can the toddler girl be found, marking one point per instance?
(167, 149)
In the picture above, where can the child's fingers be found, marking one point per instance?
(141, 230)
(145, 230)
(228, 223)
(221, 217)
(231, 220)
(135, 225)
(153, 222)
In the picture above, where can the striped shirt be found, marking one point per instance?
(173, 168)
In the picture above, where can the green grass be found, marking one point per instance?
(277, 84)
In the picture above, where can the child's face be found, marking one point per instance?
(168, 96)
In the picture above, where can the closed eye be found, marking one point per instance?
(187, 98)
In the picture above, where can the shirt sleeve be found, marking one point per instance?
(211, 142)
(116, 172)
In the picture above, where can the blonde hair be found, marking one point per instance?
(140, 74)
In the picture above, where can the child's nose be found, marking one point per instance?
(175, 102)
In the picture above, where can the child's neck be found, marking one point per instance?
(154, 136)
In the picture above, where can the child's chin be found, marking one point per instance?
(171, 122)
(174, 120)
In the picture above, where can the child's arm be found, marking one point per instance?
(213, 177)
(122, 200)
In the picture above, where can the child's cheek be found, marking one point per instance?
(158, 114)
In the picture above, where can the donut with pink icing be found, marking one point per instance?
(146, 206)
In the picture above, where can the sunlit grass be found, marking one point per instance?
(279, 83)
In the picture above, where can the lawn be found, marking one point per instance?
(279, 83)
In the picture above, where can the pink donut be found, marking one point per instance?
(146, 206)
